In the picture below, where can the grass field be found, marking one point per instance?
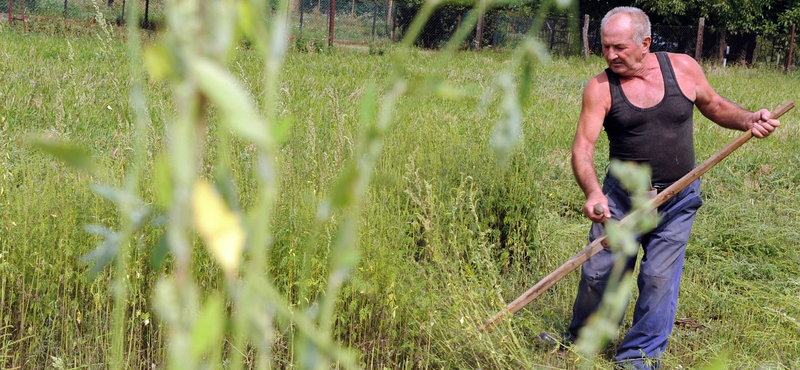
(446, 236)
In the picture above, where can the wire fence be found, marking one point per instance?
(152, 12)
(356, 22)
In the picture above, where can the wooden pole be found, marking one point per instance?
(389, 20)
(597, 245)
(791, 49)
(374, 19)
(479, 28)
(394, 24)
(698, 49)
(330, 22)
(585, 36)
(302, 5)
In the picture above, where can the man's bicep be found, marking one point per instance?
(705, 97)
(593, 111)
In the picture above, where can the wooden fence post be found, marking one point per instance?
(374, 19)
(479, 28)
(586, 36)
(389, 21)
(791, 49)
(302, 5)
(330, 22)
(698, 50)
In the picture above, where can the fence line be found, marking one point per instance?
(371, 22)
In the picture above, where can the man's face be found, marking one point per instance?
(622, 54)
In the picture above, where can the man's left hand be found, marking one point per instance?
(762, 125)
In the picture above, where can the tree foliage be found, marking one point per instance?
(736, 16)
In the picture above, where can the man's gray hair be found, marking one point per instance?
(639, 21)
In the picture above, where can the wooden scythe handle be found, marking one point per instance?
(597, 245)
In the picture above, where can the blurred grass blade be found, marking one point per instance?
(71, 155)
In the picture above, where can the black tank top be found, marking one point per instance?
(660, 136)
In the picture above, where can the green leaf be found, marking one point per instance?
(634, 178)
(209, 327)
(159, 61)
(368, 105)
(280, 132)
(507, 132)
(163, 181)
(717, 364)
(235, 104)
(118, 196)
(124, 200)
(104, 252)
(342, 194)
(71, 155)
(246, 25)
(525, 80)
(159, 254)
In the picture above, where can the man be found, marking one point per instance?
(644, 101)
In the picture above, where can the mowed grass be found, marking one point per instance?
(447, 237)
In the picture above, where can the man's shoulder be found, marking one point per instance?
(597, 83)
(599, 79)
(682, 61)
(597, 91)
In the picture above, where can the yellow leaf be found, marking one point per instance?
(219, 227)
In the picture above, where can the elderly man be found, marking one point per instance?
(645, 101)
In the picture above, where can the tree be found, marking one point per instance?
(741, 20)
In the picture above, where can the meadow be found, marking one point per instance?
(447, 233)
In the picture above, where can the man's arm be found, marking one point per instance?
(720, 110)
(596, 102)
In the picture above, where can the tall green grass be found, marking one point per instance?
(446, 236)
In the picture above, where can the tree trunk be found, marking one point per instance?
(750, 48)
(479, 28)
(698, 49)
(791, 50)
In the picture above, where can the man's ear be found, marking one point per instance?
(646, 43)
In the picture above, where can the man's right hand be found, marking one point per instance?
(597, 201)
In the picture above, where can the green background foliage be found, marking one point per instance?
(447, 237)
